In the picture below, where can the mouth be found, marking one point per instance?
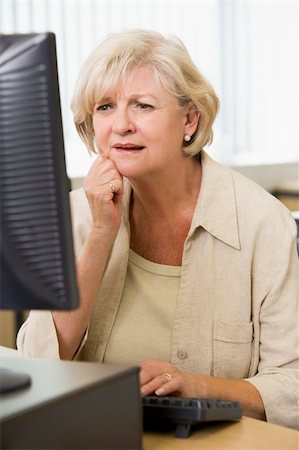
(128, 147)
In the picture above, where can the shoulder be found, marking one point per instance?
(257, 210)
(256, 205)
(266, 227)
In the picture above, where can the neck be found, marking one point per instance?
(167, 195)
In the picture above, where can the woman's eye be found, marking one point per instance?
(144, 106)
(104, 107)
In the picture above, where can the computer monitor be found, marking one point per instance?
(37, 256)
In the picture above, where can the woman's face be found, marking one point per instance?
(140, 126)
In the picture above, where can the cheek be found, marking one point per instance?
(100, 134)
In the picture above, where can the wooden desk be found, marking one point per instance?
(248, 434)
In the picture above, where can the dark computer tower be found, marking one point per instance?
(72, 405)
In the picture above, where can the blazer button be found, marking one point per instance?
(182, 354)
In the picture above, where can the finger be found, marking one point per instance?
(156, 383)
(144, 377)
(152, 385)
(151, 368)
(116, 186)
(168, 388)
(103, 178)
(103, 166)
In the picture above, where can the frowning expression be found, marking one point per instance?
(140, 126)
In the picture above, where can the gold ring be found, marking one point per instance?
(112, 187)
(168, 376)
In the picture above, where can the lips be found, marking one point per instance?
(128, 147)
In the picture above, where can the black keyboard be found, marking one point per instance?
(185, 412)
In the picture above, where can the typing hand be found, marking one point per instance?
(162, 378)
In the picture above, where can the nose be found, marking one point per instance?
(122, 122)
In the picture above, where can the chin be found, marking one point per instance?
(128, 169)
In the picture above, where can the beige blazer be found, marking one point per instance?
(237, 312)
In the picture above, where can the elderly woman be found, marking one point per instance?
(185, 267)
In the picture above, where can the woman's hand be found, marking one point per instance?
(103, 188)
(162, 378)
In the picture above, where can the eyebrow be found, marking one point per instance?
(109, 98)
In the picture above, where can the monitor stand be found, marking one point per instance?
(12, 380)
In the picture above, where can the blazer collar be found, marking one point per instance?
(216, 209)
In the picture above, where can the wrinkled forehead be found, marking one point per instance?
(111, 82)
(108, 82)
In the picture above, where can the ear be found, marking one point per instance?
(192, 118)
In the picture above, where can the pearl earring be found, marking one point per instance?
(187, 138)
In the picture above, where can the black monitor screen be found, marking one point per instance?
(37, 257)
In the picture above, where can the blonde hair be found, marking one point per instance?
(170, 61)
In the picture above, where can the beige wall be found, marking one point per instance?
(7, 329)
